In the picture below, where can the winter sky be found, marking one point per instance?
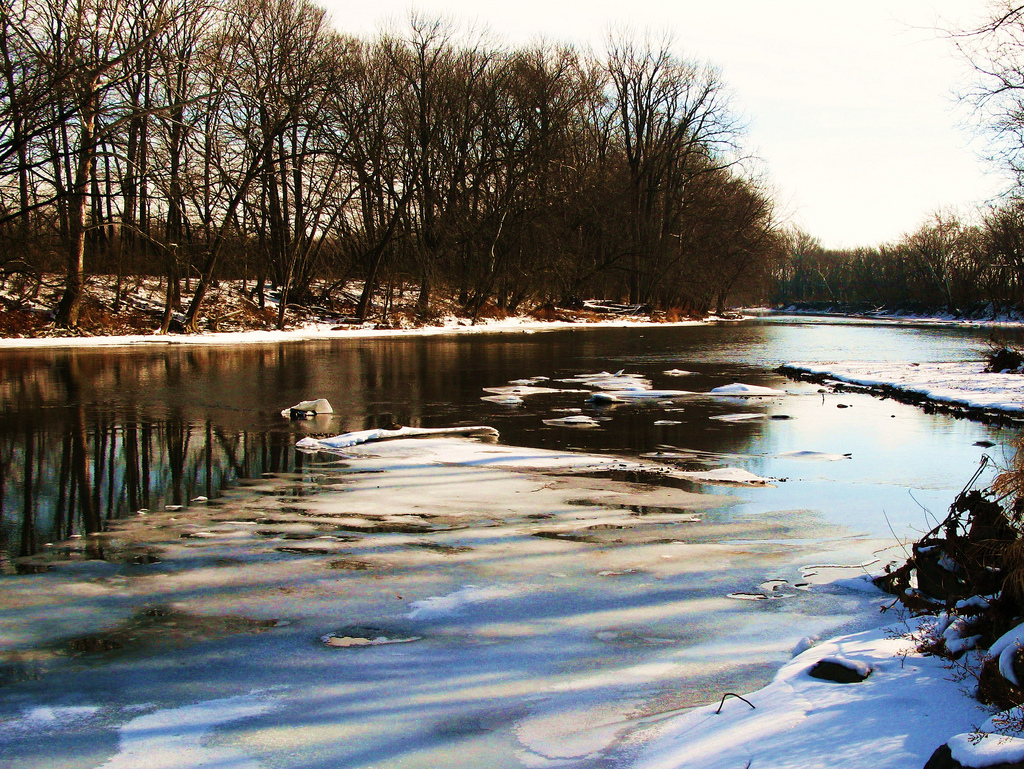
(850, 106)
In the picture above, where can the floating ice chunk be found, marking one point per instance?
(577, 420)
(520, 390)
(306, 409)
(819, 456)
(745, 390)
(727, 475)
(625, 396)
(504, 400)
(678, 372)
(347, 641)
(620, 380)
(738, 417)
(368, 436)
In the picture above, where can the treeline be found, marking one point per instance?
(249, 139)
(947, 265)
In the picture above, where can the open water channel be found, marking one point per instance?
(174, 571)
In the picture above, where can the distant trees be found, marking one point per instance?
(947, 264)
(206, 139)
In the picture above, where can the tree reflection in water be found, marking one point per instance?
(103, 464)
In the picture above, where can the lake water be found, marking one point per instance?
(535, 646)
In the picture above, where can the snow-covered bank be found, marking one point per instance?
(323, 331)
(908, 706)
(966, 386)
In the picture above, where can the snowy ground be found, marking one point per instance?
(908, 706)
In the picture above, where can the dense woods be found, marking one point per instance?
(205, 140)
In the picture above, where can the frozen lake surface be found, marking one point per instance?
(442, 602)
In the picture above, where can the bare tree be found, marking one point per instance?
(673, 122)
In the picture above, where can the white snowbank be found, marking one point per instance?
(964, 384)
(895, 719)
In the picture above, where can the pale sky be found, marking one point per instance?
(850, 106)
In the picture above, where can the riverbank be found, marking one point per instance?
(326, 331)
(130, 311)
(965, 389)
